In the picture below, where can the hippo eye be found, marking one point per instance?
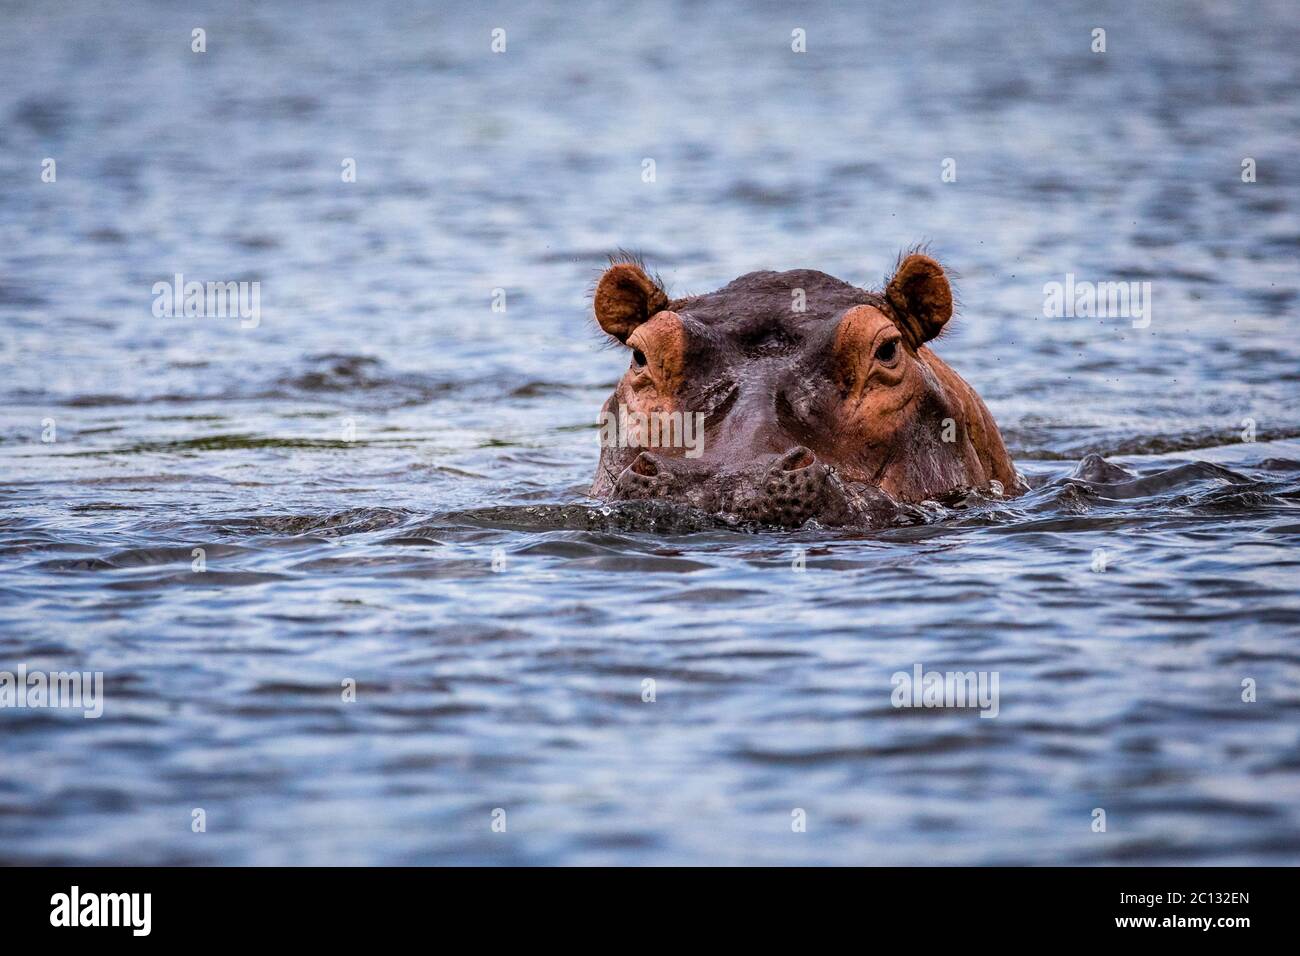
(638, 358)
(887, 351)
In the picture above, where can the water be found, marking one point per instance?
(521, 689)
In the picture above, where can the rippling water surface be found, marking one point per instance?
(472, 434)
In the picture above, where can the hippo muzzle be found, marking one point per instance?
(784, 490)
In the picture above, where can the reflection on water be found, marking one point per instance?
(386, 478)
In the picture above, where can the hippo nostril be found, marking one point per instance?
(645, 465)
(797, 459)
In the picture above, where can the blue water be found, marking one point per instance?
(350, 465)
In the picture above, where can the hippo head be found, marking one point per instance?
(791, 395)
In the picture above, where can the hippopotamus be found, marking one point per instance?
(790, 396)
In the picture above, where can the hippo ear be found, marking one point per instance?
(626, 297)
(920, 297)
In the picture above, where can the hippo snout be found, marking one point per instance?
(795, 488)
(646, 477)
(785, 490)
